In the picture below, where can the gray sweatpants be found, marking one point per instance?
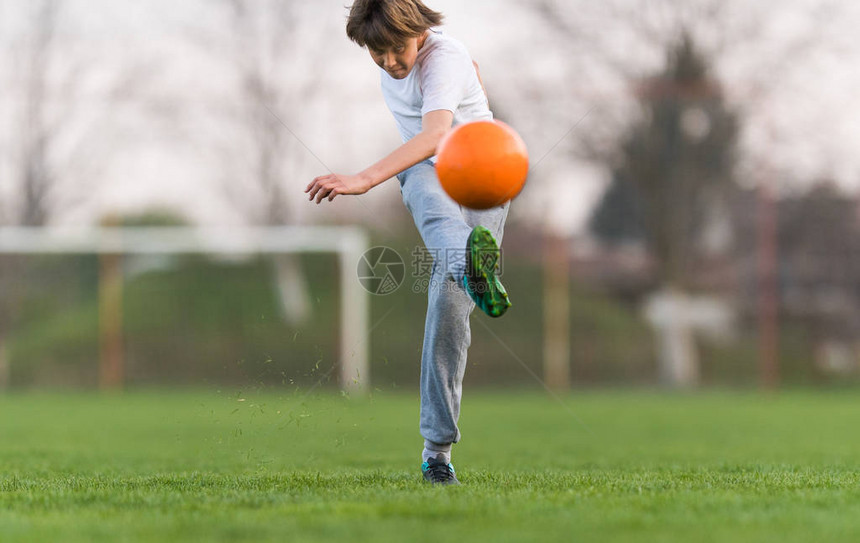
(445, 227)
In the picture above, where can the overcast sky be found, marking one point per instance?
(153, 143)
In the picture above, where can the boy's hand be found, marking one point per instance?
(329, 186)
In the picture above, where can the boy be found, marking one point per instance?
(430, 84)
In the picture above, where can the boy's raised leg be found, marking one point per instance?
(446, 229)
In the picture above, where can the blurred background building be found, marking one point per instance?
(690, 219)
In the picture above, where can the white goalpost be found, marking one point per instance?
(110, 243)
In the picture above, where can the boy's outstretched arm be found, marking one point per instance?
(434, 125)
(481, 81)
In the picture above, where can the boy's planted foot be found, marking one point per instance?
(480, 280)
(439, 472)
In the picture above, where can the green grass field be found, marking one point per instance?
(262, 466)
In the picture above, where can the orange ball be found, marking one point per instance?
(482, 164)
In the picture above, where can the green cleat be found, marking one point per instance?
(480, 280)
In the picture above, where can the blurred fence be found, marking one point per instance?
(193, 319)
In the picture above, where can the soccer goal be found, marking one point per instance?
(112, 243)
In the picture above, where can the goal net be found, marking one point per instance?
(124, 255)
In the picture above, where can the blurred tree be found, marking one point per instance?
(36, 176)
(618, 218)
(656, 160)
(672, 164)
(260, 154)
(263, 34)
(819, 272)
(819, 261)
(673, 169)
(609, 46)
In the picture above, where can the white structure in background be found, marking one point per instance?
(348, 243)
(675, 317)
(293, 295)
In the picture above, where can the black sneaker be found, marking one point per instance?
(438, 472)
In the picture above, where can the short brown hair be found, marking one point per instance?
(379, 24)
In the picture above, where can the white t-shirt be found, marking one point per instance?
(443, 78)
